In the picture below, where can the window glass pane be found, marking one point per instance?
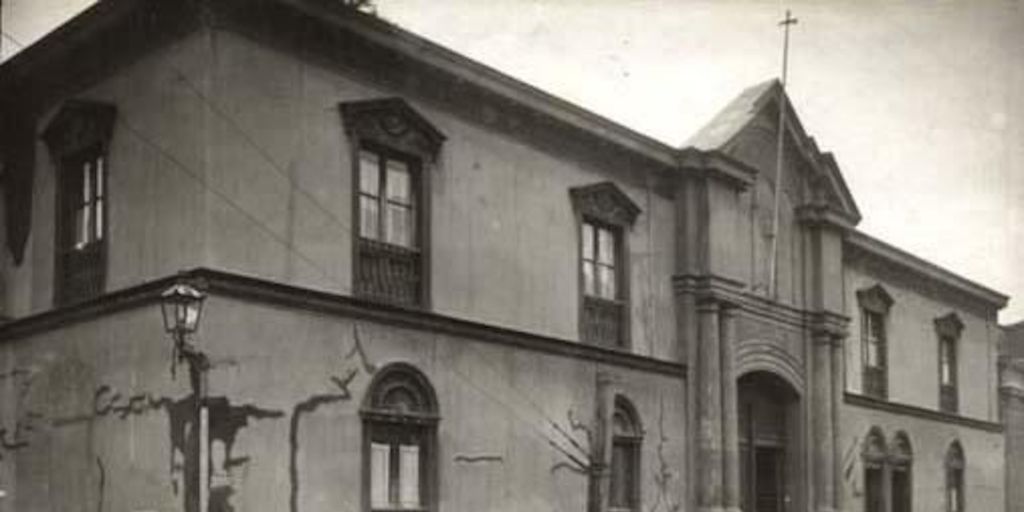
(588, 241)
(99, 219)
(399, 225)
(369, 173)
(606, 280)
(100, 170)
(589, 287)
(876, 330)
(606, 246)
(369, 217)
(872, 353)
(86, 182)
(399, 184)
(409, 476)
(83, 226)
(380, 471)
(621, 492)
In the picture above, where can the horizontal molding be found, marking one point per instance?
(920, 412)
(926, 277)
(263, 291)
(731, 291)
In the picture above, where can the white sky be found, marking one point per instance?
(922, 102)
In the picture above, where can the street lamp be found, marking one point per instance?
(182, 308)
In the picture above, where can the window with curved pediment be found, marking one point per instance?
(627, 438)
(400, 441)
(393, 150)
(605, 213)
(78, 138)
(875, 303)
(955, 465)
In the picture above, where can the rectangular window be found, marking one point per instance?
(81, 230)
(388, 252)
(600, 270)
(948, 399)
(622, 492)
(874, 353)
(873, 500)
(396, 464)
(954, 490)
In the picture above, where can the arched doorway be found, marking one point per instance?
(769, 443)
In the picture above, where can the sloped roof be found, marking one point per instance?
(732, 119)
(741, 112)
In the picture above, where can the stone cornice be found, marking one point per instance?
(861, 247)
(262, 291)
(920, 412)
(825, 216)
(732, 293)
(718, 165)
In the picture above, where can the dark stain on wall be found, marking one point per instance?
(226, 421)
(305, 407)
(102, 484)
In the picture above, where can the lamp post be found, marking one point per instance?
(182, 308)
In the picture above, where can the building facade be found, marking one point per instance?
(432, 287)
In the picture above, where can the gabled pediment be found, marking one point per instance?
(79, 125)
(605, 202)
(875, 299)
(747, 129)
(949, 325)
(394, 123)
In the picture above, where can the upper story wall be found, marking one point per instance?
(503, 233)
(229, 154)
(155, 175)
(912, 339)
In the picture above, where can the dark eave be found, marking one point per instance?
(392, 36)
(87, 48)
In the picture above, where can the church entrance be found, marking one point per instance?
(768, 443)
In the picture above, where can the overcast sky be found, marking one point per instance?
(922, 102)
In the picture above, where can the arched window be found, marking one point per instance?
(874, 456)
(955, 478)
(901, 458)
(399, 441)
(627, 437)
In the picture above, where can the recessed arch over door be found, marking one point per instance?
(771, 442)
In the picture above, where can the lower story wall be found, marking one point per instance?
(94, 417)
(930, 441)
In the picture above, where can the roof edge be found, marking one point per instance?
(924, 268)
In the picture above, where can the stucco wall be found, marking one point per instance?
(102, 405)
(154, 183)
(913, 359)
(230, 155)
(929, 440)
(503, 232)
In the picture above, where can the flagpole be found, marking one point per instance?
(774, 254)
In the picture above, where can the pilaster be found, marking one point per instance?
(732, 492)
(823, 423)
(709, 409)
